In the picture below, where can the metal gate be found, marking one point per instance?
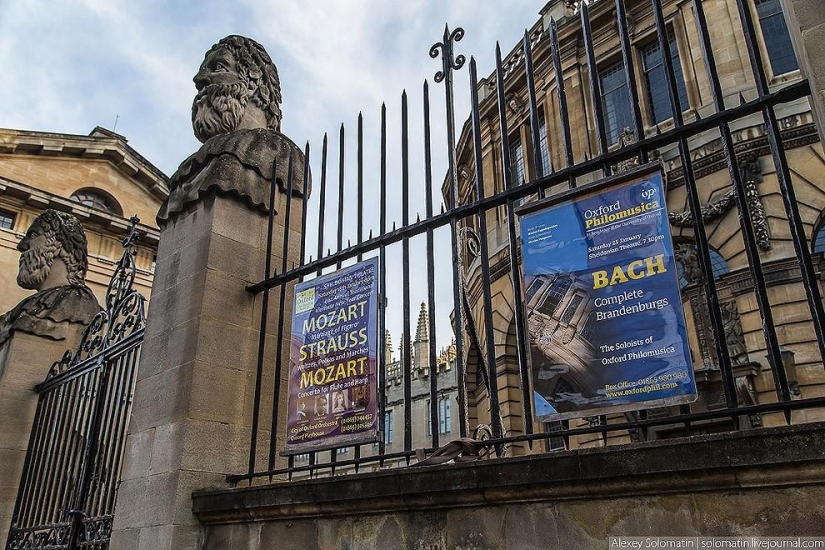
(67, 492)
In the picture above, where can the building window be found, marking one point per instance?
(615, 102)
(444, 415)
(544, 154)
(656, 80)
(570, 310)
(388, 427)
(516, 161)
(555, 443)
(97, 200)
(589, 327)
(6, 220)
(777, 38)
(554, 295)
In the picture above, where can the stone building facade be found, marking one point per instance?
(740, 311)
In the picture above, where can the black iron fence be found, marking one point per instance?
(71, 473)
(471, 205)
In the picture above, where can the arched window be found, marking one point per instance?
(98, 200)
(818, 243)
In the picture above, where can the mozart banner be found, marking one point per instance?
(333, 398)
(604, 312)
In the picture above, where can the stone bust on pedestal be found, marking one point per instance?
(236, 114)
(53, 262)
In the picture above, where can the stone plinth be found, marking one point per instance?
(25, 360)
(768, 482)
(193, 404)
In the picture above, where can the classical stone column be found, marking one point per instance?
(193, 405)
(36, 333)
(806, 22)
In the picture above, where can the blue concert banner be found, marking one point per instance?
(333, 367)
(604, 312)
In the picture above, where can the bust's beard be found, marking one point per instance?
(35, 265)
(218, 109)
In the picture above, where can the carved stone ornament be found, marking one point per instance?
(734, 335)
(53, 262)
(750, 170)
(237, 115)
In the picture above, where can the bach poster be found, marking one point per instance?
(333, 361)
(604, 313)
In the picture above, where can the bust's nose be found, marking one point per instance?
(200, 80)
(23, 245)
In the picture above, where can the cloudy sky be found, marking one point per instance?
(71, 66)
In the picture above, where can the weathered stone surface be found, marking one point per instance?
(764, 482)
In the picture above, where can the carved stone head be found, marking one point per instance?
(238, 87)
(53, 252)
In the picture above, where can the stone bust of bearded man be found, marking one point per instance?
(53, 262)
(236, 114)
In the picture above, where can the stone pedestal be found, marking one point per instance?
(193, 404)
(806, 22)
(25, 360)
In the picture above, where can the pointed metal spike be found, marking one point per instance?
(370, 237)
(404, 94)
(329, 252)
(442, 207)
(417, 217)
(310, 258)
(393, 226)
(349, 243)
(698, 116)
(742, 98)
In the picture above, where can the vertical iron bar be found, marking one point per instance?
(270, 229)
(279, 342)
(428, 192)
(595, 84)
(304, 209)
(360, 182)
(515, 275)
(630, 75)
(406, 360)
(450, 63)
(77, 415)
(717, 324)
(382, 291)
(564, 114)
(535, 142)
(322, 200)
(495, 411)
(340, 241)
(37, 452)
(667, 62)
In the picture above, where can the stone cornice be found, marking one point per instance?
(99, 144)
(41, 200)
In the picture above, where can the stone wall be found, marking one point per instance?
(769, 482)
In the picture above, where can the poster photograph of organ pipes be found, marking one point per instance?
(605, 322)
(333, 399)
